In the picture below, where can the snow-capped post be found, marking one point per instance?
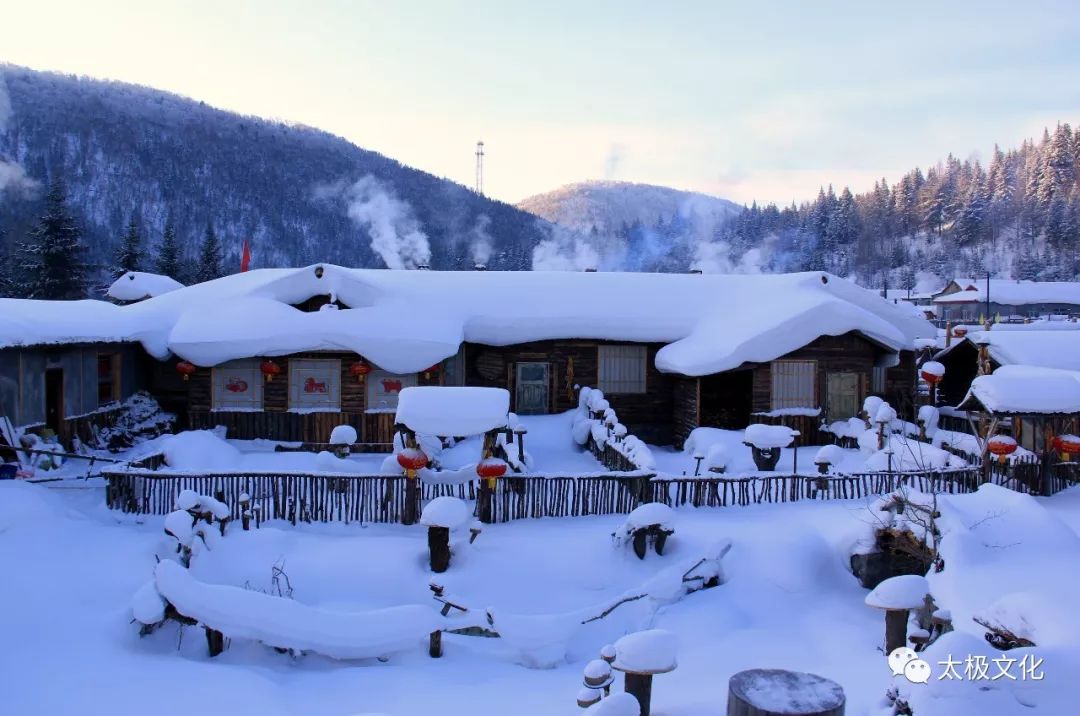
(897, 596)
(245, 511)
(597, 678)
(442, 515)
(766, 441)
(775, 692)
(411, 458)
(883, 417)
(642, 655)
(489, 470)
(342, 439)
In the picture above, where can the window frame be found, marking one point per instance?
(112, 380)
(623, 386)
(300, 372)
(246, 369)
(786, 403)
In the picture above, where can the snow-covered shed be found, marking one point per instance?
(289, 353)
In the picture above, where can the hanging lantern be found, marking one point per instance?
(490, 469)
(1002, 446)
(932, 372)
(269, 369)
(431, 370)
(1066, 444)
(412, 459)
(360, 369)
(959, 332)
(186, 369)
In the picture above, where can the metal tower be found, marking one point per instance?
(480, 167)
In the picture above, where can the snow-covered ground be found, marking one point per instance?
(71, 568)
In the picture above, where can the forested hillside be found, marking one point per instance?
(297, 194)
(1018, 217)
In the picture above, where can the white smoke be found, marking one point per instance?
(564, 250)
(716, 257)
(12, 176)
(395, 232)
(480, 242)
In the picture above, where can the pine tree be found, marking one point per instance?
(129, 254)
(5, 267)
(168, 257)
(50, 264)
(208, 266)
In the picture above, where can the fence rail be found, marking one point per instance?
(327, 497)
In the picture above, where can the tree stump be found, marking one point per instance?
(438, 540)
(765, 459)
(895, 629)
(775, 692)
(215, 641)
(435, 645)
(640, 687)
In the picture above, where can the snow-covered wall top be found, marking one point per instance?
(1027, 390)
(405, 321)
(1017, 293)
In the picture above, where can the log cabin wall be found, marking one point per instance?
(647, 415)
(686, 397)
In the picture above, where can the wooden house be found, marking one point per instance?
(287, 354)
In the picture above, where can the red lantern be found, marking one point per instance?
(429, 370)
(931, 378)
(360, 369)
(959, 332)
(269, 369)
(1067, 444)
(1001, 445)
(186, 369)
(491, 468)
(412, 459)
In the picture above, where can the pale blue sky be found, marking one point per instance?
(743, 100)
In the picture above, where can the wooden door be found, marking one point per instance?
(54, 398)
(842, 396)
(532, 387)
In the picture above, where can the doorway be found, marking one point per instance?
(531, 388)
(842, 396)
(54, 398)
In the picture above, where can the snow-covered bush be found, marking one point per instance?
(343, 435)
(196, 524)
(716, 458)
(928, 419)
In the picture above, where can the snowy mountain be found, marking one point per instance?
(610, 205)
(299, 195)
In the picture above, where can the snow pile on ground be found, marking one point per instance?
(199, 450)
(903, 453)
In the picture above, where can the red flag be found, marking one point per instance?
(245, 257)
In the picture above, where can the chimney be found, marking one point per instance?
(422, 267)
(479, 266)
(590, 270)
(694, 270)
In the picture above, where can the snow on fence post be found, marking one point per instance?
(775, 692)
(411, 458)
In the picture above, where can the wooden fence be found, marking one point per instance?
(327, 497)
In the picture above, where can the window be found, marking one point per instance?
(622, 369)
(238, 385)
(877, 380)
(793, 384)
(383, 389)
(315, 385)
(108, 377)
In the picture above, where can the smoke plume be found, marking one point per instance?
(395, 232)
(480, 242)
(12, 176)
(564, 250)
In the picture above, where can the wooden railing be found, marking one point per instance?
(327, 497)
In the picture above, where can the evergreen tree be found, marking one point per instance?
(168, 257)
(5, 267)
(208, 266)
(129, 254)
(50, 264)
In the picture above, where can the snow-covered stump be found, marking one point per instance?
(775, 692)
(766, 441)
(442, 515)
(653, 521)
(897, 596)
(642, 655)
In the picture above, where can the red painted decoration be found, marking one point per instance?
(186, 369)
(236, 385)
(310, 386)
(269, 369)
(360, 370)
(491, 468)
(391, 386)
(412, 459)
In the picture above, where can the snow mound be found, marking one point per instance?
(448, 512)
(199, 450)
(907, 591)
(651, 513)
(647, 652)
(618, 704)
(137, 285)
(764, 437)
(343, 435)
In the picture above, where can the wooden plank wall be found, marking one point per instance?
(685, 411)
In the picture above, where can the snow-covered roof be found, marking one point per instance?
(1022, 389)
(1041, 348)
(139, 285)
(1017, 293)
(405, 321)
